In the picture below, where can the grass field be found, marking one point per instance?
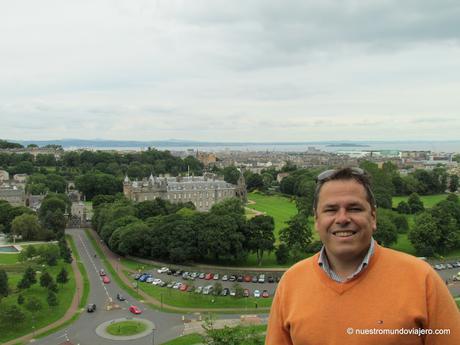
(428, 200)
(8, 259)
(124, 328)
(48, 314)
(280, 208)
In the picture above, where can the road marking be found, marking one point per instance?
(94, 265)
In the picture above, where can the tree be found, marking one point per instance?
(20, 299)
(53, 287)
(415, 204)
(400, 221)
(52, 299)
(49, 254)
(92, 184)
(453, 183)
(231, 174)
(386, 233)
(12, 316)
(45, 279)
(64, 251)
(403, 207)
(28, 278)
(297, 233)
(217, 288)
(27, 226)
(62, 277)
(55, 221)
(261, 237)
(425, 235)
(3, 284)
(239, 291)
(231, 335)
(282, 254)
(33, 304)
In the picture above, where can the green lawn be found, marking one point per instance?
(428, 200)
(190, 339)
(280, 208)
(124, 328)
(8, 259)
(48, 314)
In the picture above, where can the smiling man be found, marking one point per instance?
(354, 291)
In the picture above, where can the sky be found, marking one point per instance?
(241, 70)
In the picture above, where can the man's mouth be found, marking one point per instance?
(344, 233)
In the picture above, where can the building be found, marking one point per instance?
(202, 191)
(13, 194)
(4, 176)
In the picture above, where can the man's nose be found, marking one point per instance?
(342, 216)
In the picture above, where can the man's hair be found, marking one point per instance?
(349, 173)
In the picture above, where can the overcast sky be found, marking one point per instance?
(236, 70)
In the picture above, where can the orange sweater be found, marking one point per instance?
(396, 291)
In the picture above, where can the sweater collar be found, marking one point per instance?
(323, 262)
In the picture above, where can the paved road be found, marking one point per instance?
(83, 331)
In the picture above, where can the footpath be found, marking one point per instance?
(73, 309)
(115, 262)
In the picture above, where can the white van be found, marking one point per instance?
(261, 278)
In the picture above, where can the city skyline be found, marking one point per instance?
(263, 71)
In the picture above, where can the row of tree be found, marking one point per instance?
(160, 230)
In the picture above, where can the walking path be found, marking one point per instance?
(114, 262)
(73, 309)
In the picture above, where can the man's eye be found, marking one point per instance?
(356, 209)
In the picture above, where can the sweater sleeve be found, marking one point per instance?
(277, 334)
(443, 313)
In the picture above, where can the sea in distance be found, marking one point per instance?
(332, 146)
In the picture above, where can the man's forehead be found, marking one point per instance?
(338, 189)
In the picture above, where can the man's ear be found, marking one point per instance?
(374, 219)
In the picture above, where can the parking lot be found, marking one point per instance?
(262, 285)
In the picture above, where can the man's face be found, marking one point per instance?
(344, 220)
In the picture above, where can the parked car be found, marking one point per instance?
(271, 279)
(247, 278)
(208, 276)
(183, 287)
(135, 309)
(254, 278)
(265, 294)
(256, 293)
(233, 293)
(163, 270)
(225, 292)
(261, 278)
(149, 279)
(207, 290)
(120, 297)
(143, 277)
(239, 278)
(246, 293)
(449, 266)
(105, 279)
(156, 281)
(232, 278)
(171, 284)
(216, 276)
(199, 289)
(202, 275)
(162, 284)
(177, 285)
(101, 272)
(91, 308)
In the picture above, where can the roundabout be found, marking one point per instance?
(125, 328)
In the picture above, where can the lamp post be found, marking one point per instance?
(153, 336)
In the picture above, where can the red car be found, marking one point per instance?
(105, 279)
(209, 276)
(265, 294)
(183, 287)
(247, 278)
(135, 309)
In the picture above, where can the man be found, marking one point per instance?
(354, 291)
